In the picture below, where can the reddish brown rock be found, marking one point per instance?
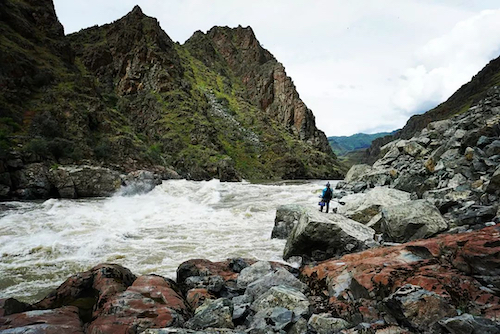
(90, 289)
(62, 320)
(151, 302)
(196, 297)
(10, 306)
(446, 266)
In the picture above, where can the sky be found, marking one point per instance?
(360, 66)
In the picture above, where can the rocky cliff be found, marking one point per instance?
(125, 96)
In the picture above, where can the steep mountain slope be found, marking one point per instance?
(126, 96)
(466, 96)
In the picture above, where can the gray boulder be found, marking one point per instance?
(62, 182)
(319, 237)
(363, 207)
(252, 273)
(213, 313)
(412, 220)
(324, 323)
(33, 181)
(494, 184)
(278, 277)
(281, 296)
(287, 217)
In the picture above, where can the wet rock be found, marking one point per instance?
(469, 324)
(410, 221)
(319, 237)
(203, 267)
(213, 313)
(287, 217)
(62, 182)
(139, 182)
(494, 184)
(150, 302)
(32, 182)
(56, 321)
(362, 207)
(324, 323)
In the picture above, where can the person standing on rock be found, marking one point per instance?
(326, 197)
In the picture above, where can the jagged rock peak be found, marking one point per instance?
(137, 10)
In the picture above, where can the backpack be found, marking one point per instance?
(328, 194)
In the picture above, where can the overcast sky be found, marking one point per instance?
(360, 65)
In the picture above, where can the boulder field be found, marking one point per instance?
(445, 284)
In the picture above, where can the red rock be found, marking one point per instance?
(151, 302)
(446, 265)
(196, 297)
(90, 289)
(61, 320)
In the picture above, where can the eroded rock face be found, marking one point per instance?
(320, 237)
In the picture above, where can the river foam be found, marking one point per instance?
(42, 243)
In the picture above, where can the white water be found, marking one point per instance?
(42, 243)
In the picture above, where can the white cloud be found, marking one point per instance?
(449, 61)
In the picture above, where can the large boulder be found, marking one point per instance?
(89, 290)
(213, 313)
(362, 207)
(410, 221)
(459, 270)
(281, 296)
(278, 277)
(91, 181)
(60, 320)
(287, 217)
(32, 182)
(318, 236)
(150, 302)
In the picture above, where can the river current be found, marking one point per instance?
(43, 243)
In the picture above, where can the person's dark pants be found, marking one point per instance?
(327, 205)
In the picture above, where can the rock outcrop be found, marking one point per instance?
(451, 163)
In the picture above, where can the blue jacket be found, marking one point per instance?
(327, 198)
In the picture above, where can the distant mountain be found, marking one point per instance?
(341, 145)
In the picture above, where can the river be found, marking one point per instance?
(42, 243)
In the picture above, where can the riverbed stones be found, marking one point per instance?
(469, 324)
(319, 236)
(252, 273)
(409, 221)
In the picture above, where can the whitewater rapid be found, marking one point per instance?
(42, 243)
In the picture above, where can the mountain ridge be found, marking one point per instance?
(125, 95)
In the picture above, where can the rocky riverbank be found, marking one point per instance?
(445, 284)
